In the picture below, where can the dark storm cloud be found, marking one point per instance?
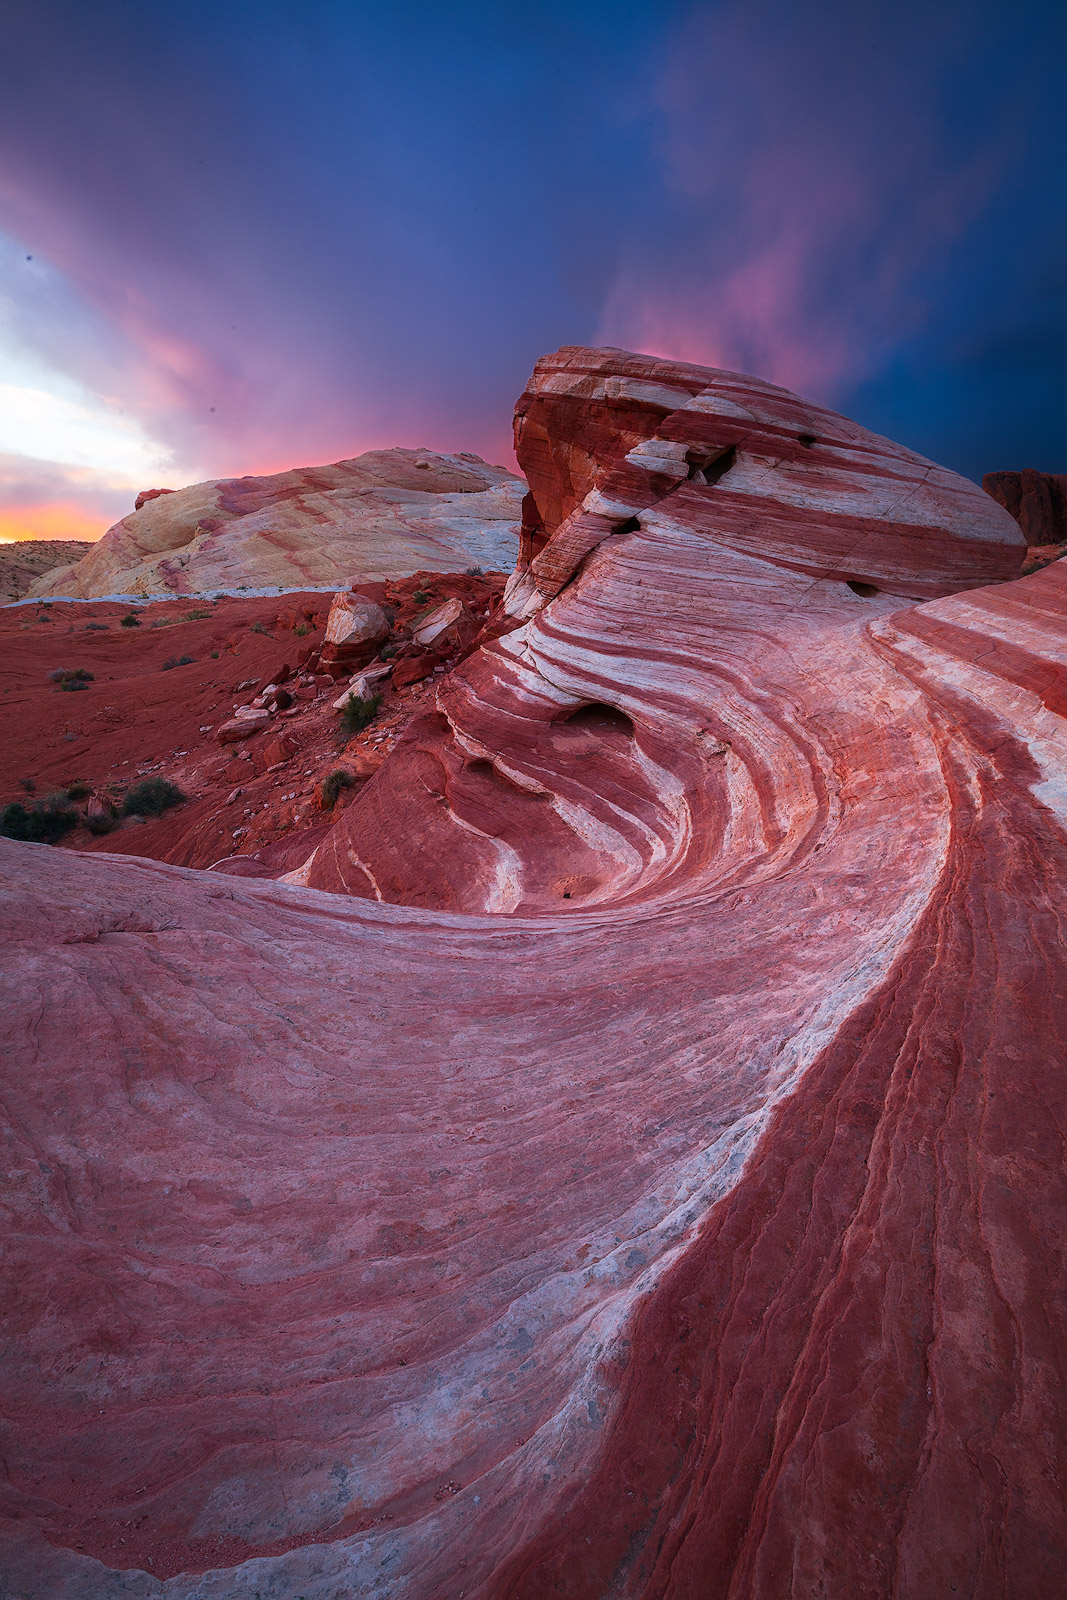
(343, 225)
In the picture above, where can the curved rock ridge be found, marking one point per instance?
(701, 1235)
(384, 514)
(637, 734)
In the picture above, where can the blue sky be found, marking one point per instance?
(272, 234)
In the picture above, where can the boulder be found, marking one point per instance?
(364, 683)
(242, 726)
(355, 628)
(414, 667)
(450, 628)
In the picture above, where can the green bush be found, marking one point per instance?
(130, 620)
(332, 785)
(356, 713)
(302, 628)
(78, 791)
(176, 661)
(151, 797)
(45, 822)
(196, 616)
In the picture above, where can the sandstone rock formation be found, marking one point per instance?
(25, 562)
(355, 628)
(1037, 501)
(383, 514)
(716, 522)
(695, 1227)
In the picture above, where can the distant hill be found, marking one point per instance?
(382, 515)
(27, 560)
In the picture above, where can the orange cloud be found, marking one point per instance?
(57, 521)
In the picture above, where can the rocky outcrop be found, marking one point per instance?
(384, 514)
(1037, 501)
(715, 521)
(355, 629)
(692, 1229)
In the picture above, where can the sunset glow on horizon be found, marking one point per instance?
(364, 239)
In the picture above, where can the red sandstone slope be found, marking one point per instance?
(706, 1240)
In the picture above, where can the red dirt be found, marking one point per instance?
(138, 719)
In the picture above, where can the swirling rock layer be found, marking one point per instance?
(695, 1227)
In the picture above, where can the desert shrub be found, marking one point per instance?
(96, 627)
(420, 597)
(65, 675)
(196, 616)
(356, 713)
(332, 785)
(78, 791)
(71, 679)
(259, 627)
(107, 823)
(474, 572)
(302, 628)
(214, 655)
(176, 661)
(130, 620)
(28, 784)
(151, 797)
(45, 822)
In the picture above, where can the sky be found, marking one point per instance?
(237, 237)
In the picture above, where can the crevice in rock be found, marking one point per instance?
(707, 471)
(597, 717)
(867, 591)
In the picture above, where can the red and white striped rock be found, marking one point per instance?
(696, 1228)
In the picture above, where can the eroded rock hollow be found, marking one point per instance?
(634, 1166)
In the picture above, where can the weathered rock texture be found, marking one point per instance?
(700, 1235)
(1037, 501)
(580, 755)
(384, 514)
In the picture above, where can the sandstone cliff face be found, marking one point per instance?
(696, 1228)
(384, 514)
(1037, 501)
